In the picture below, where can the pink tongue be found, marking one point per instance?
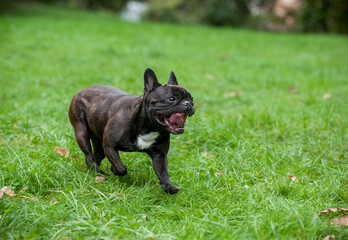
(177, 119)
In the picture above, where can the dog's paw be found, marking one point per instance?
(172, 189)
(118, 172)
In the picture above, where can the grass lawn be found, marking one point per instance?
(289, 118)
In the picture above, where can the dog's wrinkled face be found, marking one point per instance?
(168, 105)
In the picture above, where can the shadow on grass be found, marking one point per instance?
(140, 173)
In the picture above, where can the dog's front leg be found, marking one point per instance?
(160, 163)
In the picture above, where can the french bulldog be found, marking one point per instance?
(115, 121)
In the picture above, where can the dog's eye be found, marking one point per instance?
(172, 99)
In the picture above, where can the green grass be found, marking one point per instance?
(255, 140)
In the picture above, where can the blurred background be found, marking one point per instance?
(266, 15)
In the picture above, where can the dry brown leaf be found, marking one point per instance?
(2, 191)
(332, 210)
(217, 174)
(327, 96)
(342, 220)
(150, 235)
(32, 199)
(209, 155)
(20, 191)
(293, 89)
(62, 151)
(293, 178)
(233, 94)
(10, 192)
(100, 178)
(329, 237)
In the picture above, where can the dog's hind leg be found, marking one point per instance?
(83, 135)
(82, 139)
(98, 153)
(78, 120)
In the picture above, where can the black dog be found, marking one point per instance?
(117, 121)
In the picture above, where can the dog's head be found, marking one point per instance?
(167, 105)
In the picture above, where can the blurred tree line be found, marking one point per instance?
(298, 15)
(274, 15)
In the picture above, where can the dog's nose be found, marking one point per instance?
(188, 107)
(186, 103)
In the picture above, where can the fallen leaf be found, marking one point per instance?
(217, 174)
(100, 178)
(327, 96)
(342, 220)
(293, 89)
(293, 178)
(150, 235)
(233, 94)
(207, 171)
(11, 193)
(2, 191)
(332, 210)
(62, 151)
(209, 155)
(20, 191)
(32, 199)
(329, 237)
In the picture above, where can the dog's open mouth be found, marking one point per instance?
(175, 122)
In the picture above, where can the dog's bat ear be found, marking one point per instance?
(150, 81)
(172, 79)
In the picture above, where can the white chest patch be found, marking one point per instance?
(146, 140)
